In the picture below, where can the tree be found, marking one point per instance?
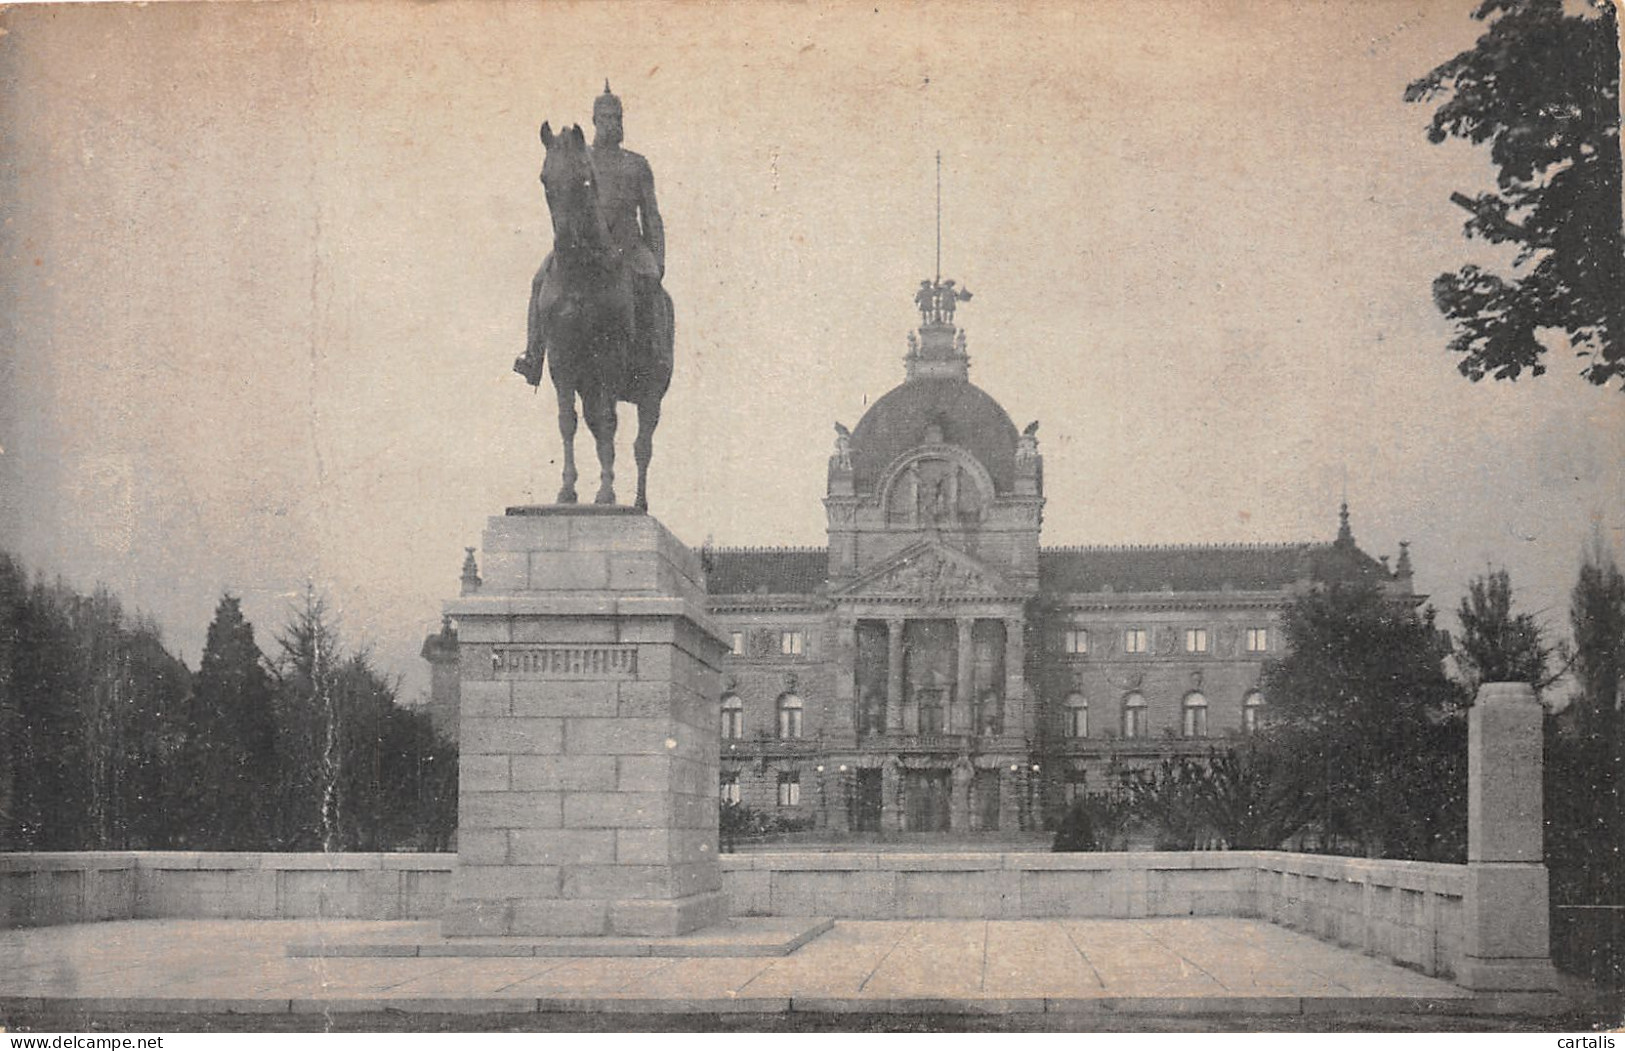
(1367, 723)
(356, 771)
(1585, 771)
(90, 709)
(229, 756)
(1597, 617)
(1496, 644)
(1541, 87)
(306, 671)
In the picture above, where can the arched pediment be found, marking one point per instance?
(936, 484)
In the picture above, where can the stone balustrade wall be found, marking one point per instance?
(1409, 912)
(1405, 911)
(47, 888)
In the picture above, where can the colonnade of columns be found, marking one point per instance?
(902, 717)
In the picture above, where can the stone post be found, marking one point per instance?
(894, 675)
(1506, 945)
(589, 759)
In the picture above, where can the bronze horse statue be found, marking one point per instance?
(590, 325)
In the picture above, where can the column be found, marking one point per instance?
(891, 796)
(1506, 947)
(1017, 719)
(959, 801)
(843, 727)
(840, 801)
(960, 718)
(1008, 800)
(894, 675)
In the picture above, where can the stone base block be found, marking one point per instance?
(1504, 912)
(1507, 975)
(667, 919)
(764, 936)
(476, 919)
(577, 917)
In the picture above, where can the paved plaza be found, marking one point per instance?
(1150, 966)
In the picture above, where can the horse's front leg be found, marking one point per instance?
(567, 431)
(601, 421)
(643, 448)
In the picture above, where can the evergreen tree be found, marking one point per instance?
(1366, 721)
(1498, 645)
(307, 751)
(1585, 771)
(230, 757)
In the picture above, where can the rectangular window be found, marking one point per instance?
(790, 789)
(1258, 640)
(1135, 641)
(736, 643)
(1076, 789)
(1076, 641)
(1195, 640)
(730, 788)
(792, 643)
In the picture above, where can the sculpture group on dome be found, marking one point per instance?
(937, 300)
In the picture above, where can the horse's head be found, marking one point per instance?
(571, 186)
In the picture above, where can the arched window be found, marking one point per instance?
(1195, 715)
(789, 715)
(733, 717)
(1252, 713)
(1077, 715)
(1134, 715)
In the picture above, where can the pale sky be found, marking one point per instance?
(266, 266)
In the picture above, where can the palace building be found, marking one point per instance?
(935, 668)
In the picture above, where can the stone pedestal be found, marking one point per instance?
(1505, 916)
(589, 756)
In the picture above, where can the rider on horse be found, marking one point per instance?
(626, 196)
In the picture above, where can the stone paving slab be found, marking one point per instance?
(1172, 967)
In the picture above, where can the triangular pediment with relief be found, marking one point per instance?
(931, 571)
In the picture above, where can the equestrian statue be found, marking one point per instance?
(597, 305)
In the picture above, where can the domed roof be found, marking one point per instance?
(967, 415)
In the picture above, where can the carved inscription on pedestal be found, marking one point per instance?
(546, 661)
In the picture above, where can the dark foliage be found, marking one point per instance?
(738, 821)
(91, 706)
(1498, 645)
(1076, 831)
(1585, 783)
(1368, 724)
(108, 742)
(1541, 88)
(230, 752)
